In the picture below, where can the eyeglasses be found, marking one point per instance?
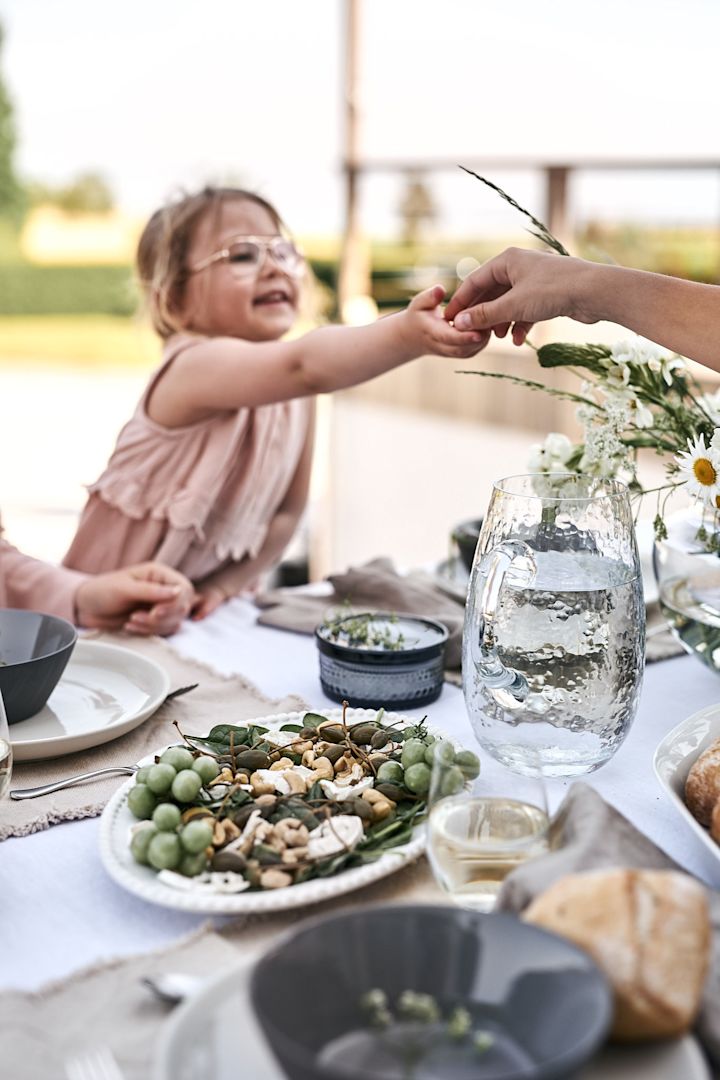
(246, 255)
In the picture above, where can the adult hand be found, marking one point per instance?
(145, 599)
(519, 288)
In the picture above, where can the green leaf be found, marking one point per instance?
(561, 354)
(312, 719)
(291, 727)
(217, 741)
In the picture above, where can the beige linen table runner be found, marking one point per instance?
(216, 700)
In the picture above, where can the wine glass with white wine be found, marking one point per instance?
(5, 752)
(475, 839)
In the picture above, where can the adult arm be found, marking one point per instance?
(520, 288)
(238, 576)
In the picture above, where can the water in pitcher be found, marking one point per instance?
(577, 636)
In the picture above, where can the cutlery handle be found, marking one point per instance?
(45, 789)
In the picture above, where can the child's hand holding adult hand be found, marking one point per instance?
(430, 333)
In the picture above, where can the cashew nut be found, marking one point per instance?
(275, 879)
(280, 764)
(322, 769)
(260, 787)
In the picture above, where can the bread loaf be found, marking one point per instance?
(702, 787)
(648, 930)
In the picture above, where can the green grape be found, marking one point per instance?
(142, 774)
(177, 756)
(206, 767)
(413, 752)
(160, 778)
(469, 763)
(440, 753)
(164, 851)
(186, 786)
(141, 842)
(196, 836)
(417, 778)
(390, 772)
(141, 801)
(192, 865)
(452, 781)
(166, 817)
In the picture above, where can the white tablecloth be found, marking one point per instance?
(60, 911)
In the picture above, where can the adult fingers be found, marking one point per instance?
(520, 331)
(485, 283)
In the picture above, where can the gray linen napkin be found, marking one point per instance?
(375, 586)
(592, 835)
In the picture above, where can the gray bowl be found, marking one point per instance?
(466, 536)
(378, 677)
(545, 1004)
(34, 649)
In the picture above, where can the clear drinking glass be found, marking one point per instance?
(474, 840)
(5, 752)
(554, 639)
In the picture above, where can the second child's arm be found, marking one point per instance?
(229, 373)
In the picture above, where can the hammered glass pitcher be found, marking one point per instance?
(554, 638)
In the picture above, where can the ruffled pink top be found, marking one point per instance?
(195, 497)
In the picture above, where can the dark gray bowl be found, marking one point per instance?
(34, 649)
(466, 536)
(542, 999)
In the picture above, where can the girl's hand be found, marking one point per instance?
(518, 289)
(145, 599)
(207, 599)
(427, 331)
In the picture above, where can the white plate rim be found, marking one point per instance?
(165, 1056)
(674, 756)
(142, 881)
(59, 745)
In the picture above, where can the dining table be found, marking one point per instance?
(60, 911)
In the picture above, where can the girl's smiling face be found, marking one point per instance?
(260, 306)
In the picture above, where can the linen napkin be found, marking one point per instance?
(375, 586)
(217, 699)
(591, 835)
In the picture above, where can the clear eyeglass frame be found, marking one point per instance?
(246, 255)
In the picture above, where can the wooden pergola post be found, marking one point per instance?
(354, 276)
(557, 215)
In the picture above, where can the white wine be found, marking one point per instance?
(474, 843)
(5, 766)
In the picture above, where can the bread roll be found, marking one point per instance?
(648, 930)
(702, 787)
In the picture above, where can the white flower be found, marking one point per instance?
(711, 404)
(715, 441)
(552, 455)
(700, 470)
(641, 351)
(643, 416)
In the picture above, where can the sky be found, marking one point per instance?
(162, 94)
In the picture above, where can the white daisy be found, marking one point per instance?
(700, 470)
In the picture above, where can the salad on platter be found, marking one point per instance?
(255, 808)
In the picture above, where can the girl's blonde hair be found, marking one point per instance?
(163, 246)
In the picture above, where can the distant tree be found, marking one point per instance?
(417, 207)
(88, 193)
(12, 199)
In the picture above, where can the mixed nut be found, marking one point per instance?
(247, 807)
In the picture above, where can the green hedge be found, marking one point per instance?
(66, 290)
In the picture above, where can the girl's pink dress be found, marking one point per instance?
(196, 497)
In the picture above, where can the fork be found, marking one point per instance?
(45, 789)
(97, 1064)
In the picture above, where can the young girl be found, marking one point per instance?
(211, 473)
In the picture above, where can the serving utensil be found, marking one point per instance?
(173, 986)
(46, 789)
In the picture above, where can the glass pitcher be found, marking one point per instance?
(554, 638)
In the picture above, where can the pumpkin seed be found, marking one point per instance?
(391, 791)
(380, 738)
(253, 759)
(362, 734)
(333, 734)
(229, 860)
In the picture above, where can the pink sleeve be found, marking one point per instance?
(29, 583)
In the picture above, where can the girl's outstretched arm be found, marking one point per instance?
(520, 288)
(233, 579)
(219, 374)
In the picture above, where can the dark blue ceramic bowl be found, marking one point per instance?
(34, 649)
(545, 1005)
(466, 536)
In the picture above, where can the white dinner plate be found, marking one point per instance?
(105, 691)
(675, 756)
(117, 821)
(209, 1034)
